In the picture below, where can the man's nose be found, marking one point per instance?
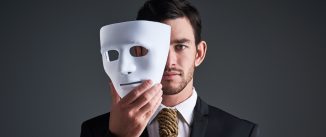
(171, 60)
(127, 65)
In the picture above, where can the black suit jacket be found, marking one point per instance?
(208, 121)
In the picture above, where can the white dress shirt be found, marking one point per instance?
(185, 116)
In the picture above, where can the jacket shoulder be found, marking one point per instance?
(95, 127)
(230, 123)
(98, 120)
(219, 113)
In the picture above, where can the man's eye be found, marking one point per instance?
(180, 47)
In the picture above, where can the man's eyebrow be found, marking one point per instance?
(183, 40)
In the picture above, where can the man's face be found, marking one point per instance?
(180, 64)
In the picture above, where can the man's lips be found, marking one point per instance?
(125, 84)
(170, 75)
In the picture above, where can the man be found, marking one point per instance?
(137, 113)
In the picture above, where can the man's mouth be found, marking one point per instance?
(170, 75)
(131, 83)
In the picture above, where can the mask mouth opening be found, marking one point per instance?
(131, 83)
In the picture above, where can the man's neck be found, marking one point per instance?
(173, 100)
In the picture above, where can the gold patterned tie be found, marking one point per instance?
(168, 122)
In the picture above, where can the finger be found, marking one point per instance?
(150, 107)
(158, 103)
(147, 96)
(135, 93)
(115, 96)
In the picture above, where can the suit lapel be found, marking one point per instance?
(200, 120)
(145, 133)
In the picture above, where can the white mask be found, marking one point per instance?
(134, 51)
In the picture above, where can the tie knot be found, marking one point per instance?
(168, 122)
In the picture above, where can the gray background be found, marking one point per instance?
(265, 63)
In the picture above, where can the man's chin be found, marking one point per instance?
(169, 85)
(170, 92)
(170, 89)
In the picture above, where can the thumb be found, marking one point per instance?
(115, 96)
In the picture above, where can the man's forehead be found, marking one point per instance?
(181, 30)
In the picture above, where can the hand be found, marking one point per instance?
(130, 115)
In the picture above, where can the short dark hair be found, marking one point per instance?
(160, 10)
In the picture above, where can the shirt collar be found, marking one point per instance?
(185, 108)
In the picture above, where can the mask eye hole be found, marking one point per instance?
(138, 51)
(112, 55)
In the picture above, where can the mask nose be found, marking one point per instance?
(127, 65)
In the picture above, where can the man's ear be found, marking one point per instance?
(201, 53)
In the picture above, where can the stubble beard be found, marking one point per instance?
(185, 79)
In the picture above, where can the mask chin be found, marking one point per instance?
(127, 88)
